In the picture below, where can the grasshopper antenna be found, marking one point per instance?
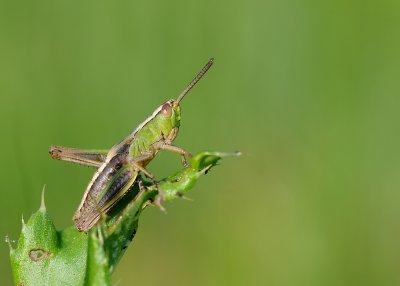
(195, 80)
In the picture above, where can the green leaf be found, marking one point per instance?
(45, 256)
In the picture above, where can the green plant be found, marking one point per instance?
(45, 256)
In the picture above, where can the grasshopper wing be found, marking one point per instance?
(112, 180)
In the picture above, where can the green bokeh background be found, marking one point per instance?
(309, 91)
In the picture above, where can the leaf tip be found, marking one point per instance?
(9, 241)
(42, 203)
(229, 154)
(23, 221)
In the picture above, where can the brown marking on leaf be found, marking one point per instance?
(38, 254)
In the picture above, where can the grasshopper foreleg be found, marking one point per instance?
(161, 145)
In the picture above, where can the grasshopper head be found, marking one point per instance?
(169, 117)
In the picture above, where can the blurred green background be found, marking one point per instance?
(309, 91)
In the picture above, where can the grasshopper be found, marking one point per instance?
(118, 168)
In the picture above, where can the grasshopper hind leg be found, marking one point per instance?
(90, 158)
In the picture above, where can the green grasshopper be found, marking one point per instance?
(118, 168)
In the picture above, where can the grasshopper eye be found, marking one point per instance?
(166, 110)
